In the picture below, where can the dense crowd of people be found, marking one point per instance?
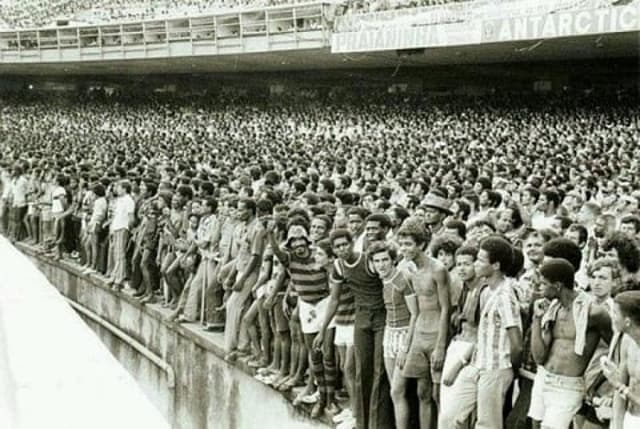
(34, 13)
(410, 261)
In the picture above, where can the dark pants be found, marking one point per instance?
(16, 225)
(135, 272)
(71, 234)
(214, 294)
(149, 271)
(6, 216)
(374, 409)
(102, 255)
(517, 417)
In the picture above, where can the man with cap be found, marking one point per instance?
(437, 209)
(566, 330)
(311, 282)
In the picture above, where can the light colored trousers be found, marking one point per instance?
(235, 308)
(457, 351)
(477, 389)
(631, 421)
(203, 278)
(119, 240)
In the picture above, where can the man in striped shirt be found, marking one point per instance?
(483, 384)
(311, 282)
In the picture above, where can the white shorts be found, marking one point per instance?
(394, 341)
(343, 336)
(555, 399)
(630, 421)
(332, 324)
(312, 315)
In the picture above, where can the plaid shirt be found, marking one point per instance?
(500, 311)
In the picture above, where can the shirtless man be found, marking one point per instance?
(625, 377)
(564, 337)
(428, 335)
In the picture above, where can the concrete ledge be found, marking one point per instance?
(209, 392)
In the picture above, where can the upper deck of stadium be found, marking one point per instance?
(153, 36)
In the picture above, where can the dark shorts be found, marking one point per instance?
(418, 362)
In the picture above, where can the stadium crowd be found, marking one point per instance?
(36, 13)
(403, 258)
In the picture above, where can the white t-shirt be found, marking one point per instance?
(6, 184)
(99, 212)
(124, 207)
(57, 198)
(540, 221)
(19, 191)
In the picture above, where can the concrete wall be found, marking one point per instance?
(209, 393)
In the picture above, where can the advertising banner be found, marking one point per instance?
(457, 12)
(563, 24)
(460, 12)
(406, 38)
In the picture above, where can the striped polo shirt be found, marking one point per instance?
(309, 280)
(500, 311)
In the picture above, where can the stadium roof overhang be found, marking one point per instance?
(614, 45)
